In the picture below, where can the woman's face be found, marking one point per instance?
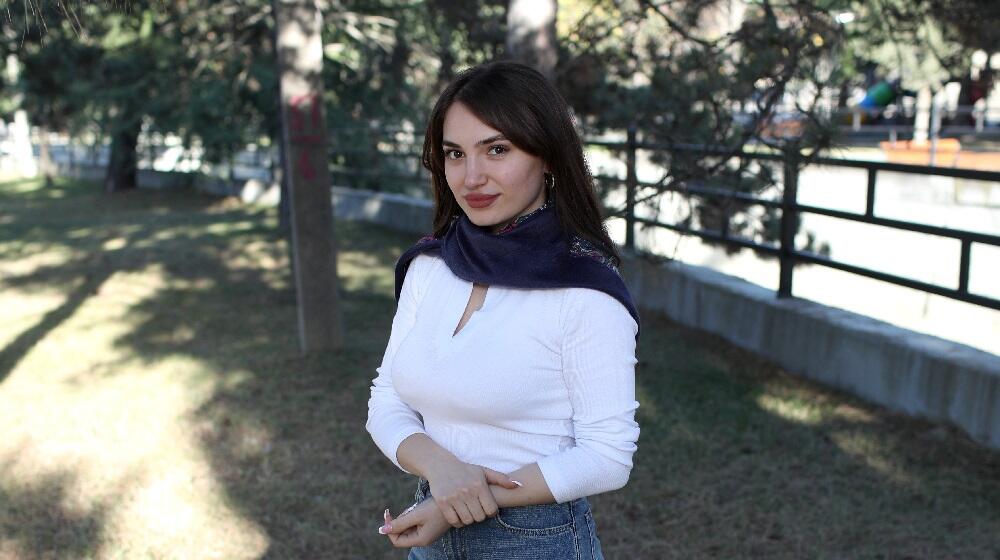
(493, 180)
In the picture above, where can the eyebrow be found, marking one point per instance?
(482, 142)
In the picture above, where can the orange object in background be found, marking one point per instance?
(948, 153)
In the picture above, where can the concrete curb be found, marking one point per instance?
(906, 371)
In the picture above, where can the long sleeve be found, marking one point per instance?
(390, 420)
(598, 366)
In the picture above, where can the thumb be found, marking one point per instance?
(402, 523)
(500, 479)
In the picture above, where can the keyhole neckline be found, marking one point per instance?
(486, 298)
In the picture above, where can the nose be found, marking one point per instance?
(474, 176)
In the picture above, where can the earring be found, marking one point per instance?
(549, 180)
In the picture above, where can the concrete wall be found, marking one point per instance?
(250, 191)
(403, 213)
(910, 372)
(902, 370)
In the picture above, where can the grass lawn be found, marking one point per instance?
(153, 405)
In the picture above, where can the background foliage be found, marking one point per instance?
(737, 75)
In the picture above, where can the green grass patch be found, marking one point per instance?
(153, 405)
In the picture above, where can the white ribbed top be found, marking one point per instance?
(544, 376)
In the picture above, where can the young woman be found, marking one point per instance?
(508, 384)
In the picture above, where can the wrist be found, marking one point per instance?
(437, 461)
(420, 455)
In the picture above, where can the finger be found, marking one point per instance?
(478, 513)
(489, 505)
(401, 524)
(406, 540)
(500, 479)
(476, 506)
(465, 514)
(386, 523)
(449, 515)
(409, 539)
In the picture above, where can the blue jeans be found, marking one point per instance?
(548, 531)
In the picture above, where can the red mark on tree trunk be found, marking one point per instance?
(297, 106)
(305, 134)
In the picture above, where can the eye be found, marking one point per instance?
(452, 154)
(498, 150)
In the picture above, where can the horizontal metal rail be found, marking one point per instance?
(960, 294)
(958, 173)
(765, 248)
(791, 209)
(902, 225)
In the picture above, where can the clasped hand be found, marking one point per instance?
(460, 496)
(462, 491)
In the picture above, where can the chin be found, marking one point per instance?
(485, 219)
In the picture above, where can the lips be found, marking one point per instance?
(480, 201)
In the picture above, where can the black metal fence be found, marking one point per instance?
(789, 206)
(791, 210)
(392, 160)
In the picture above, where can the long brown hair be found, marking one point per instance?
(520, 103)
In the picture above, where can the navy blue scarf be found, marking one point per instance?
(532, 252)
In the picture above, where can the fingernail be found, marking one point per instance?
(384, 530)
(516, 482)
(386, 514)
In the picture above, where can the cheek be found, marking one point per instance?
(525, 179)
(452, 174)
(516, 178)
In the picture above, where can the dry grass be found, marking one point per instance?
(152, 405)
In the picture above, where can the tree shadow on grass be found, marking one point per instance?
(14, 351)
(35, 521)
(288, 441)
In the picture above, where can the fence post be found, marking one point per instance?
(789, 223)
(630, 185)
(934, 129)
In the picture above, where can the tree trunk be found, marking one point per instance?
(447, 69)
(44, 156)
(843, 94)
(121, 173)
(531, 34)
(278, 173)
(300, 64)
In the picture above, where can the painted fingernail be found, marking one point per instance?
(386, 514)
(516, 482)
(385, 529)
